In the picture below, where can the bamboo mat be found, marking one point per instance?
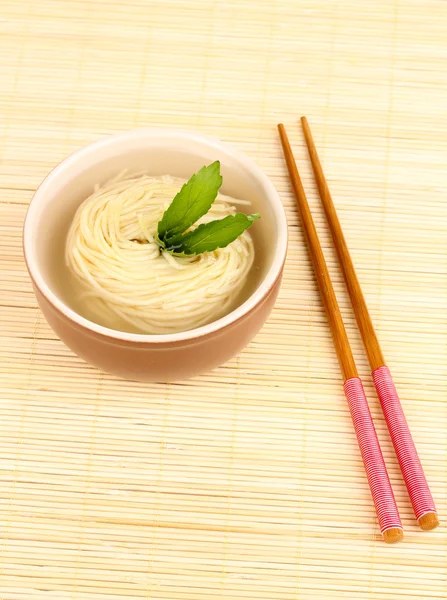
(245, 483)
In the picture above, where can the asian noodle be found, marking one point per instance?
(123, 280)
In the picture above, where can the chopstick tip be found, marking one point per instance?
(393, 535)
(428, 521)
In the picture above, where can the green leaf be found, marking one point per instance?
(192, 202)
(209, 236)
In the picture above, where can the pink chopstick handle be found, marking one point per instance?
(376, 472)
(406, 452)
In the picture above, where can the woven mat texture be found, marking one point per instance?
(245, 483)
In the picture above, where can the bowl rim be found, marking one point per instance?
(95, 148)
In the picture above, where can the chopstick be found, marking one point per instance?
(417, 486)
(379, 483)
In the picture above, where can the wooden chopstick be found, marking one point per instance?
(382, 493)
(419, 492)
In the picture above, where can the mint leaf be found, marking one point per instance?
(192, 202)
(209, 236)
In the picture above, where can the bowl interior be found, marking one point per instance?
(157, 153)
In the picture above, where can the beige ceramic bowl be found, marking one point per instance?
(158, 152)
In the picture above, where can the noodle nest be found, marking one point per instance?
(123, 281)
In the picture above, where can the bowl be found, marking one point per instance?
(158, 152)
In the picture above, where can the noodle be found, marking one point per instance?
(123, 281)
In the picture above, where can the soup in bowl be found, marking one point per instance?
(193, 311)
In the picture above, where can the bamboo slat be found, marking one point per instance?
(245, 483)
